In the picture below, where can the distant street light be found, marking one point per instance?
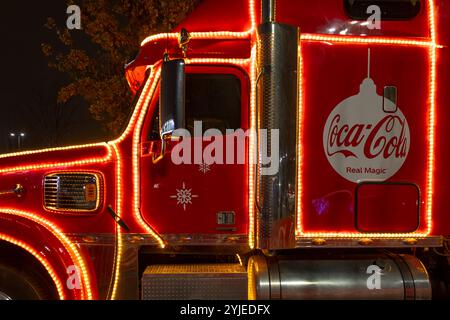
(20, 136)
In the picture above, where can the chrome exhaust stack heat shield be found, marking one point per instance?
(339, 277)
(277, 123)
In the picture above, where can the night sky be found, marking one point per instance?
(28, 88)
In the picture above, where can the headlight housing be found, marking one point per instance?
(72, 191)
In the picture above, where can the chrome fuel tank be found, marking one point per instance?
(353, 277)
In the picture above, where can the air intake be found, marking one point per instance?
(72, 192)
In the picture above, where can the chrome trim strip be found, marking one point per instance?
(206, 239)
(172, 239)
(367, 242)
(241, 239)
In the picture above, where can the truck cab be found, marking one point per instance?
(276, 150)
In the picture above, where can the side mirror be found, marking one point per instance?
(172, 97)
(171, 101)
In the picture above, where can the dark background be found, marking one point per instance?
(28, 88)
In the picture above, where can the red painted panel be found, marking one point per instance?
(349, 138)
(380, 207)
(50, 249)
(32, 181)
(221, 187)
(330, 17)
(213, 15)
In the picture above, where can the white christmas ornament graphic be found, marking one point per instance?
(363, 140)
(184, 196)
(204, 168)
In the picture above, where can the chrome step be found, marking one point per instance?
(195, 282)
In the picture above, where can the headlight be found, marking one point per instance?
(72, 192)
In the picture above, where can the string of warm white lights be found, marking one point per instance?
(342, 39)
(119, 191)
(50, 165)
(252, 146)
(211, 35)
(432, 114)
(300, 120)
(148, 94)
(69, 148)
(119, 240)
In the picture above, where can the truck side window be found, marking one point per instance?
(213, 99)
(154, 135)
(390, 9)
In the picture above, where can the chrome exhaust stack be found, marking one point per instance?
(268, 11)
(277, 113)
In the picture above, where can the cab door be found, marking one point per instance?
(198, 197)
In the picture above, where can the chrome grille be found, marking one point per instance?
(72, 192)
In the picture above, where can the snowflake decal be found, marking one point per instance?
(184, 196)
(204, 168)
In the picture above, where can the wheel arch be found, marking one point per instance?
(18, 258)
(48, 247)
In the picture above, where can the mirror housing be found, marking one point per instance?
(172, 97)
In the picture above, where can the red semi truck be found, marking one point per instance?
(352, 204)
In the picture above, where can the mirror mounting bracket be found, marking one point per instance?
(158, 158)
(183, 41)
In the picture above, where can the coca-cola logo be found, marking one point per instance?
(366, 136)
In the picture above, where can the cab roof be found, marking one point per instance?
(224, 29)
(232, 18)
